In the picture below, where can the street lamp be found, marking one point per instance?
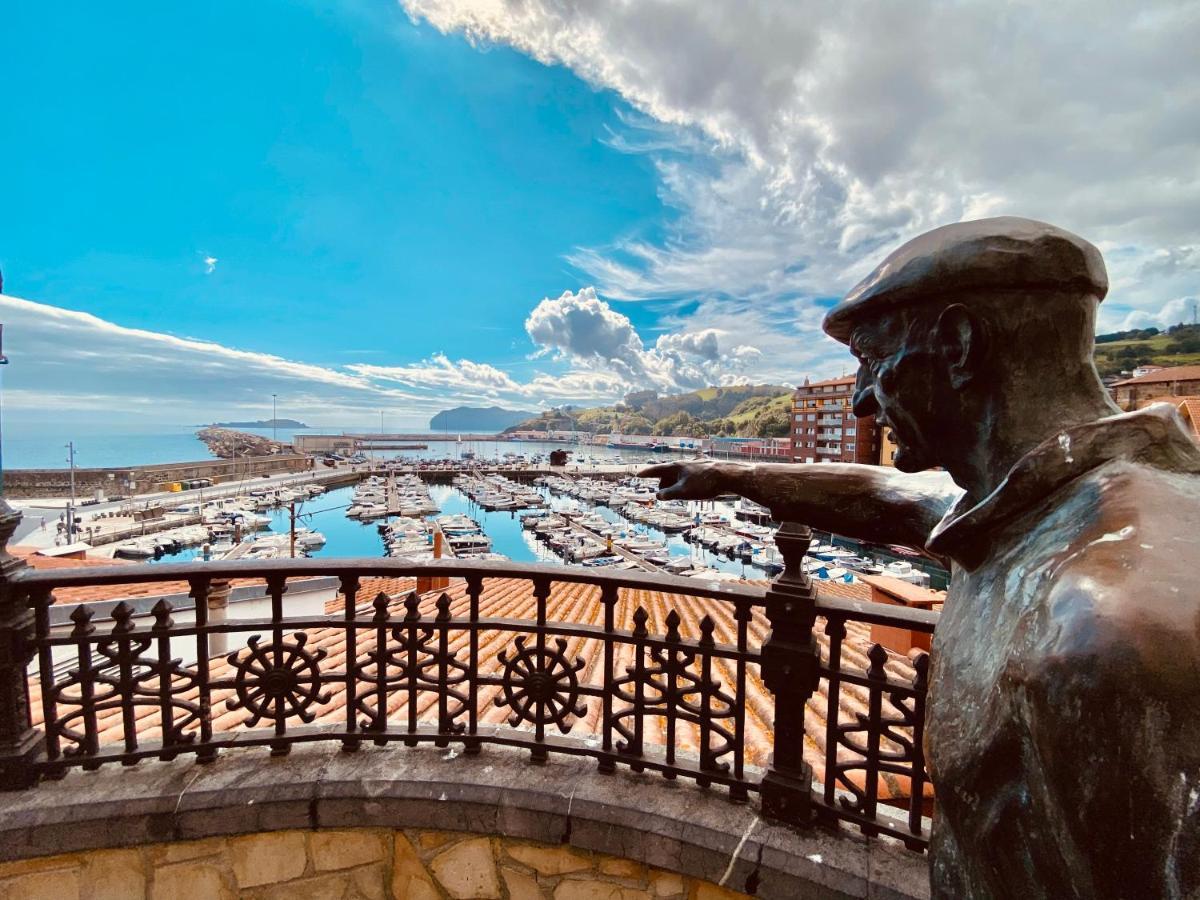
(71, 504)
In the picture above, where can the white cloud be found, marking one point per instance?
(70, 362)
(440, 372)
(801, 139)
(585, 330)
(210, 264)
(65, 359)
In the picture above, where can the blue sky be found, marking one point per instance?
(363, 183)
(410, 206)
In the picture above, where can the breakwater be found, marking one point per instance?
(125, 482)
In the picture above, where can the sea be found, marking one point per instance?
(44, 446)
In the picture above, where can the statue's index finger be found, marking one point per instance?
(660, 470)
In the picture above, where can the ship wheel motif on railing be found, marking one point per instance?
(541, 685)
(262, 683)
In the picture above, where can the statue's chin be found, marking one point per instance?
(908, 461)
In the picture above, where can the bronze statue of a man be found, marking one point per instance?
(1063, 731)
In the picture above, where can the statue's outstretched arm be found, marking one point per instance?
(871, 503)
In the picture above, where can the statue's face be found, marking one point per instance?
(899, 381)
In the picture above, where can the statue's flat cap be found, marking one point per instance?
(956, 261)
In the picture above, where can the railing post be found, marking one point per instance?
(790, 661)
(20, 743)
(219, 590)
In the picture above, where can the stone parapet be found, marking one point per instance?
(421, 823)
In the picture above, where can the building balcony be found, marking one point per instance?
(461, 729)
(830, 451)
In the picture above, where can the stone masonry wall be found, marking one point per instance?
(57, 482)
(349, 864)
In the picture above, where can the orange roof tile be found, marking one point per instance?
(101, 592)
(1189, 409)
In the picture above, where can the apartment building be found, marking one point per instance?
(824, 429)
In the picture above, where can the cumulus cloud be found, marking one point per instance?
(701, 344)
(583, 326)
(801, 140)
(584, 329)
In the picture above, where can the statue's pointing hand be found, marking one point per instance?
(699, 480)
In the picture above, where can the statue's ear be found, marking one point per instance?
(960, 339)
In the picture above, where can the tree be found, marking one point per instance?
(637, 425)
(771, 423)
(679, 423)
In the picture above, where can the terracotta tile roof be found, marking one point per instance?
(97, 593)
(1189, 409)
(833, 382)
(513, 599)
(1174, 373)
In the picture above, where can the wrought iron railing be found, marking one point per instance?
(665, 694)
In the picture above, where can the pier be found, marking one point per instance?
(612, 546)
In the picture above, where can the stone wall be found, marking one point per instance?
(140, 479)
(349, 864)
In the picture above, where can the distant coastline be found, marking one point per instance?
(261, 423)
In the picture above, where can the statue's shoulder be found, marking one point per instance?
(1127, 585)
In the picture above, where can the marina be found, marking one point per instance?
(492, 512)
(494, 500)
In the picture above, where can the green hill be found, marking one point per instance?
(761, 410)
(1123, 351)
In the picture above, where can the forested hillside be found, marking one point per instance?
(739, 410)
(1123, 351)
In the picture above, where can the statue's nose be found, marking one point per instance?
(863, 403)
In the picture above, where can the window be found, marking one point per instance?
(850, 430)
(850, 448)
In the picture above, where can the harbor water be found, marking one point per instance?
(326, 513)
